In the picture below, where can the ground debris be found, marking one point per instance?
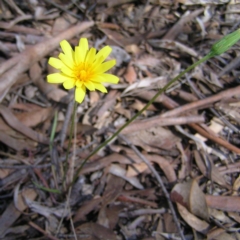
(171, 174)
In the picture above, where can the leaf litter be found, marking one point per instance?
(171, 174)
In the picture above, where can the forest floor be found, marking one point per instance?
(173, 173)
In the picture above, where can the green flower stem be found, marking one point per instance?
(70, 139)
(141, 111)
(53, 132)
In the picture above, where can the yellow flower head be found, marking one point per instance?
(83, 68)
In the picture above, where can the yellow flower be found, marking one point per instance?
(83, 68)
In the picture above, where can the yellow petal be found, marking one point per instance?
(67, 49)
(67, 71)
(90, 56)
(109, 78)
(54, 62)
(89, 85)
(70, 83)
(57, 78)
(80, 94)
(67, 60)
(83, 44)
(105, 66)
(79, 84)
(97, 63)
(80, 55)
(100, 87)
(97, 78)
(104, 52)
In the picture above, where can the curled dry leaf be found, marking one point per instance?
(165, 165)
(136, 168)
(93, 231)
(155, 136)
(35, 117)
(14, 142)
(191, 196)
(197, 224)
(17, 125)
(236, 186)
(113, 189)
(121, 172)
(45, 211)
(210, 171)
(87, 207)
(220, 234)
(62, 23)
(130, 75)
(11, 214)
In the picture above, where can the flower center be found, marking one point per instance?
(82, 75)
(83, 72)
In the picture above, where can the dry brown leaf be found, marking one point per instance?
(215, 174)
(147, 60)
(155, 136)
(16, 124)
(94, 97)
(4, 173)
(220, 234)
(236, 186)
(14, 139)
(192, 220)
(130, 75)
(112, 214)
(117, 170)
(185, 162)
(11, 214)
(165, 165)
(225, 203)
(191, 196)
(135, 169)
(197, 203)
(62, 23)
(138, 105)
(133, 48)
(221, 217)
(33, 118)
(94, 231)
(17, 142)
(113, 189)
(123, 111)
(118, 38)
(87, 207)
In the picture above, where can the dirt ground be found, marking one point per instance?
(172, 173)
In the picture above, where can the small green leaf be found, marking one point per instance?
(46, 189)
